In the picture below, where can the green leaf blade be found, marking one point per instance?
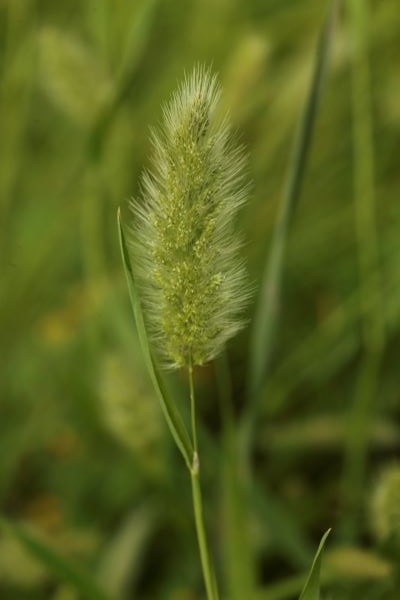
(268, 305)
(311, 590)
(173, 418)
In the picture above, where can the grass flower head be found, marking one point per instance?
(191, 278)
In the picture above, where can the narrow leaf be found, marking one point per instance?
(268, 307)
(174, 420)
(312, 585)
(68, 571)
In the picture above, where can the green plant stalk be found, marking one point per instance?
(356, 449)
(355, 459)
(364, 187)
(208, 571)
(239, 559)
(193, 408)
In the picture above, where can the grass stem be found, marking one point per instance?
(208, 571)
(192, 407)
(373, 332)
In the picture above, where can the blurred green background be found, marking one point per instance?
(85, 457)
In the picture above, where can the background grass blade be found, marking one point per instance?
(312, 585)
(268, 306)
(371, 297)
(172, 415)
(120, 564)
(69, 572)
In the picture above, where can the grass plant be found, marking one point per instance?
(187, 275)
(284, 407)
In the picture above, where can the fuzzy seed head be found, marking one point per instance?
(191, 278)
